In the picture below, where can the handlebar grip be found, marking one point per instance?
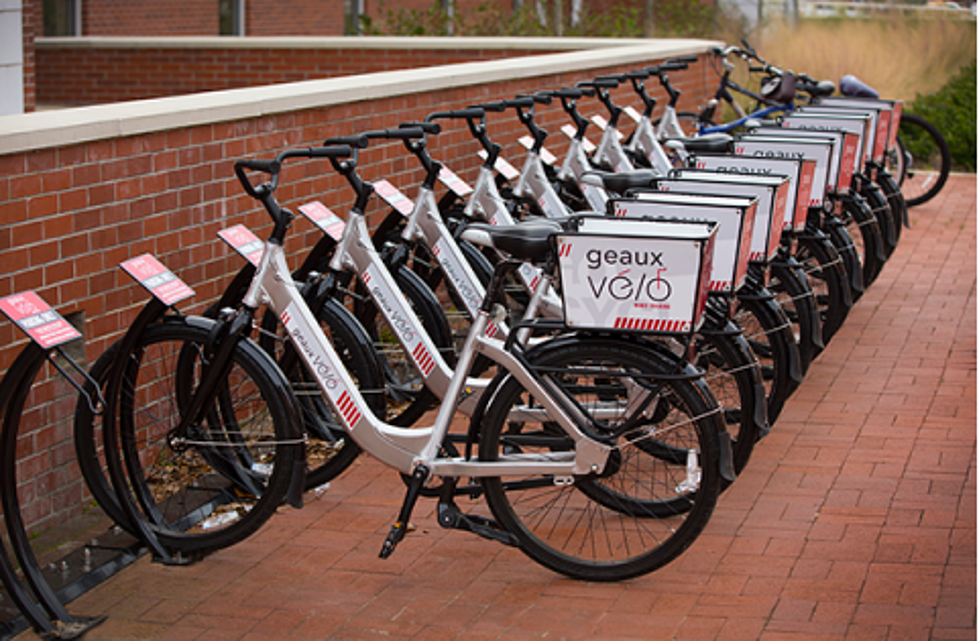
(753, 69)
(427, 127)
(601, 83)
(617, 77)
(541, 97)
(331, 151)
(638, 74)
(357, 141)
(268, 166)
(493, 106)
(520, 102)
(468, 113)
(672, 66)
(405, 133)
(568, 92)
(683, 59)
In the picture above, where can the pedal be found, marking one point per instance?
(400, 527)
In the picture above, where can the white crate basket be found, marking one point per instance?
(632, 275)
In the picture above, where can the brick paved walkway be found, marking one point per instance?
(855, 519)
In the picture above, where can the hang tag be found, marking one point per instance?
(35, 318)
(157, 279)
(602, 124)
(392, 196)
(321, 216)
(586, 144)
(546, 157)
(455, 184)
(242, 240)
(505, 169)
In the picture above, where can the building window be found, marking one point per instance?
(62, 17)
(231, 17)
(353, 17)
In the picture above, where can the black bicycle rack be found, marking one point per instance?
(34, 596)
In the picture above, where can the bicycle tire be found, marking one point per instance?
(734, 375)
(329, 450)
(895, 199)
(354, 348)
(563, 527)
(923, 160)
(824, 269)
(233, 473)
(882, 212)
(865, 232)
(796, 298)
(408, 397)
(768, 332)
(835, 229)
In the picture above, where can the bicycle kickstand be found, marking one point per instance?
(398, 530)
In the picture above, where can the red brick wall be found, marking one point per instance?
(85, 76)
(150, 17)
(294, 18)
(69, 215)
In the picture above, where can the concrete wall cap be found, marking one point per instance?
(62, 127)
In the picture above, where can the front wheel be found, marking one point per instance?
(660, 483)
(219, 482)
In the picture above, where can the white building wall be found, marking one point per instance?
(11, 58)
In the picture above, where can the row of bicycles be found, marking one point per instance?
(574, 359)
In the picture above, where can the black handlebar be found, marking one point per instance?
(357, 141)
(599, 83)
(265, 192)
(402, 133)
(569, 93)
(427, 127)
(519, 102)
(274, 167)
(543, 97)
(469, 113)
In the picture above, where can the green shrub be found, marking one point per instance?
(674, 18)
(952, 109)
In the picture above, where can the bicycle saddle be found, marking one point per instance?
(620, 183)
(821, 89)
(527, 240)
(708, 143)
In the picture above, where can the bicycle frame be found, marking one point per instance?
(575, 165)
(533, 183)
(403, 448)
(610, 151)
(486, 203)
(646, 142)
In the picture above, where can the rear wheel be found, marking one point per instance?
(768, 332)
(658, 488)
(825, 271)
(865, 233)
(922, 160)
